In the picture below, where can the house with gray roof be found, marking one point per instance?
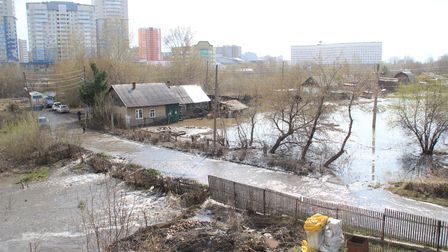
(193, 101)
(143, 104)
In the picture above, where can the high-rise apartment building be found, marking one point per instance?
(60, 30)
(228, 51)
(150, 44)
(351, 53)
(8, 32)
(23, 51)
(112, 27)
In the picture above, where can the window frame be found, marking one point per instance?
(154, 115)
(139, 113)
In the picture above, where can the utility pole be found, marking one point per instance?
(215, 112)
(206, 78)
(375, 99)
(283, 72)
(27, 90)
(84, 73)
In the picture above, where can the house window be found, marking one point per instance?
(152, 113)
(139, 114)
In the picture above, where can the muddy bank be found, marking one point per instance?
(429, 190)
(189, 191)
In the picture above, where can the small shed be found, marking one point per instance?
(231, 108)
(144, 104)
(405, 76)
(193, 101)
(387, 83)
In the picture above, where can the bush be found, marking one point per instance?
(22, 141)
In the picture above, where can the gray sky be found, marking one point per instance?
(415, 28)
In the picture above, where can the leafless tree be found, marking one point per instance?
(179, 40)
(422, 110)
(328, 78)
(290, 115)
(355, 83)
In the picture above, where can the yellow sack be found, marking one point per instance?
(315, 223)
(305, 247)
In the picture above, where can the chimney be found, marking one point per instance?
(133, 85)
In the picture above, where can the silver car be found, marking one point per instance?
(43, 122)
(63, 109)
(55, 106)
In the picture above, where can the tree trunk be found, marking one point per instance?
(252, 129)
(313, 129)
(278, 142)
(349, 132)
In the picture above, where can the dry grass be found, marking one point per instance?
(22, 141)
(433, 191)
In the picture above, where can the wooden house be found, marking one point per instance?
(143, 104)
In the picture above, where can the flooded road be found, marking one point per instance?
(47, 214)
(175, 163)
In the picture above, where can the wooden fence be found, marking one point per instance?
(390, 224)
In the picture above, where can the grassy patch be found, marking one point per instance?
(36, 175)
(431, 191)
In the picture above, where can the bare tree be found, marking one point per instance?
(290, 115)
(357, 82)
(422, 110)
(328, 77)
(347, 136)
(186, 64)
(179, 40)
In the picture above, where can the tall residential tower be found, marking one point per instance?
(112, 24)
(60, 30)
(8, 32)
(150, 44)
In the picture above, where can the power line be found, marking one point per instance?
(54, 74)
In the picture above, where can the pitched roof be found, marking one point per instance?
(145, 94)
(234, 105)
(188, 94)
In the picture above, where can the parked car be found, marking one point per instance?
(62, 109)
(49, 101)
(55, 105)
(43, 122)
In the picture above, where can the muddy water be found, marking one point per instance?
(371, 156)
(176, 163)
(46, 214)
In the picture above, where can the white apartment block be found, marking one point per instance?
(351, 53)
(112, 24)
(8, 32)
(60, 30)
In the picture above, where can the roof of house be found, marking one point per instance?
(234, 105)
(145, 94)
(188, 94)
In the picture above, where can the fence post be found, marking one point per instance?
(337, 212)
(439, 233)
(297, 206)
(264, 201)
(234, 195)
(383, 226)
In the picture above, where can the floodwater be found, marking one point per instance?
(175, 163)
(371, 157)
(46, 215)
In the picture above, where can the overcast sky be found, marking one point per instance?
(415, 28)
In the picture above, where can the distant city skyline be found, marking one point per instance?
(406, 28)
